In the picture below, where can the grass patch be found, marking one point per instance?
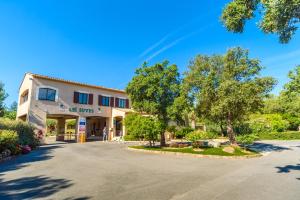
(288, 135)
(206, 151)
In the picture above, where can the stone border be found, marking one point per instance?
(195, 155)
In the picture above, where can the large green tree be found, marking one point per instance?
(281, 17)
(227, 87)
(290, 97)
(292, 88)
(153, 90)
(182, 108)
(3, 96)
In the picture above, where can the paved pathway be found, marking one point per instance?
(98, 170)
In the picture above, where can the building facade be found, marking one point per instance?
(93, 107)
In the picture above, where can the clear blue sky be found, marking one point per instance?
(102, 42)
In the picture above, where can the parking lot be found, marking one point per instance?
(97, 170)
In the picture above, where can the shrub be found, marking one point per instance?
(294, 121)
(267, 123)
(247, 139)
(130, 138)
(9, 140)
(24, 130)
(132, 122)
(182, 132)
(141, 127)
(200, 135)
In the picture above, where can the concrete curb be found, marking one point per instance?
(195, 155)
(7, 159)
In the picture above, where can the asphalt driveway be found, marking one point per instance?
(98, 170)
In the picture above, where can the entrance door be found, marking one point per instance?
(118, 127)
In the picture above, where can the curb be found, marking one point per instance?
(7, 159)
(195, 155)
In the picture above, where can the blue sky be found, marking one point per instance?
(102, 42)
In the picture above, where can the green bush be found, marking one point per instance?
(246, 139)
(9, 140)
(24, 130)
(289, 135)
(182, 132)
(130, 138)
(142, 127)
(200, 135)
(266, 123)
(132, 122)
(294, 121)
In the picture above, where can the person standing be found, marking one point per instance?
(105, 134)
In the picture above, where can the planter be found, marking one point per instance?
(60, 137)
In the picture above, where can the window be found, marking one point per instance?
(83, 98)
(105, 101)
(47, 94)
(122, 103)
(24, 97)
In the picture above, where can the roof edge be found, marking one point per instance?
(73, 82)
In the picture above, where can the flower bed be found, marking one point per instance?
(219, 151)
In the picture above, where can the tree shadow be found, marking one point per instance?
(39, 154)
(288, 168)
(34, 187)
(265, 147)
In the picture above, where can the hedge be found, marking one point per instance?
(9, 140)
(25, 131)
(288, 135)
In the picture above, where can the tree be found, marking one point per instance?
(292, 88)
(227, 88)
(11, 112)
(142, 127)
(290, 98)
(150, 128)
(153, 90)
(132, 123)
(3, 96)
(71, 123)
(180, 111)
(272, 105)
(279, 16)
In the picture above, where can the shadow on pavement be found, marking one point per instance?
(288, 168)
(40, 154)
(265, 147)
(34, 187)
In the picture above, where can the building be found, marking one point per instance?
(93, 107)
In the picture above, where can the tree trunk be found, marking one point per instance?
(186, 120)
(162, 139)
(222, 129)
(230, 131)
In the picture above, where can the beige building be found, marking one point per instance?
(93, 107)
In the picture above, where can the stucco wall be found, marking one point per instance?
(25, 85)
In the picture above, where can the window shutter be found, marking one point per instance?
(117, 102)
(127, 103)
(76, 97)
(112, 101)
(91, 99)
(100, 100)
